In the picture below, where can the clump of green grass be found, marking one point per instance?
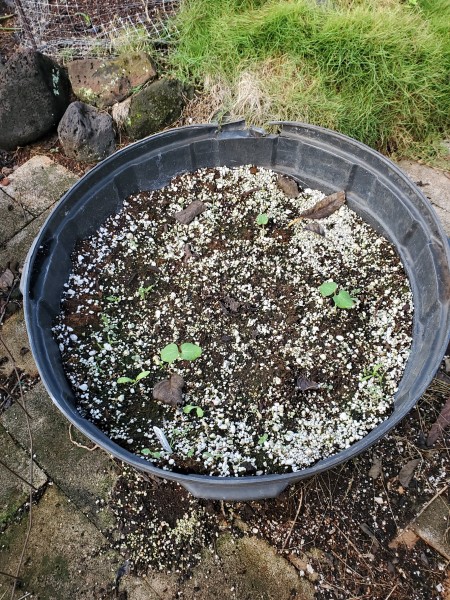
(375, 70)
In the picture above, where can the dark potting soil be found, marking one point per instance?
(286, 376)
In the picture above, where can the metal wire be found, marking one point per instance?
(86, 28)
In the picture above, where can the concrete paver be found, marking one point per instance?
(85, 477)
(17, 248)
(39, 183)
(433, 526)
(435, 185)
(66, 556)
(14, 217)
(14, 335)
(13, 491)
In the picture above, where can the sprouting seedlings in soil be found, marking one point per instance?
(186, 351)
(192, 407)
(342, 299)
(263, 439)
(114, 299)
(148, 452)
(138, 378)
(143, 291)
(375, 372)
(86, 18)
(262, 219)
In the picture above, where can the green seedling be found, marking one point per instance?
(198, 410)
(342, 299)
(141, 375)
(187, 351)
(190, 454)
(263, 439)
(86, 18)
(262, 219)
(113, 298)
(143, 291)
(148, 452)
(376, 372)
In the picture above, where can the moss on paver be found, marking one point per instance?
(85, 477)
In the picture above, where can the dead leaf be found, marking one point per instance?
(326, 207)
(229, 304)
(304, 384)
(299, 564)
(188, 254)
(288, 186)
(169, 390)
(253, 170)
(443, 421)
(407, 472)
(406, 537)
(188, 214)
(248, 193)
(375, 469)
(315, 228)
(364, 527)
(6, 280)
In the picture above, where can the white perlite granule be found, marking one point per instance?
(248, 294)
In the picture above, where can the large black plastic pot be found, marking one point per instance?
(318, 158)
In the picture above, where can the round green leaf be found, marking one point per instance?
(199, 411)
(170, 353)
(190, 351)
(187, 409)
(327, 288)
(262, 219)
(125, 380)
(344, 300)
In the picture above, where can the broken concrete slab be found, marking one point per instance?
(86, 477)
(435, 185)
(65, 557)
(14, 217)
(14, 492)
(39, 183)
(17, 247)
(14, 335)
(246, 568)
(432, 525)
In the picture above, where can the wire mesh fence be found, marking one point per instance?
(86, 28)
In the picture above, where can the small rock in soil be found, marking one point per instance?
(288, 186)
(187, 215)
(375, 469)
(169, 391)
(304, 384)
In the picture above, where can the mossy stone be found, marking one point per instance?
(155, 107)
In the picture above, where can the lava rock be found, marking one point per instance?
(103, 82)
(34, 93)
(85, 133)
(155, 107)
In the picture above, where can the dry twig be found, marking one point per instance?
(75, 443)
(300, 503)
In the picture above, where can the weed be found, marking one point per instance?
(186, 351)
(262, 219)
(138, 378)
(376, 372)
(143, 291)
(190, 407)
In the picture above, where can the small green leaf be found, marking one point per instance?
(200, 412)
(190, 454)
(207, 455)
(170, 353)
(142, 375)
(344, 300)
(147, 452)
(328, 288)
(187, 409)
(125, 380)
(190, 351)
(263, 439)
(262, 219)
(113, 298)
